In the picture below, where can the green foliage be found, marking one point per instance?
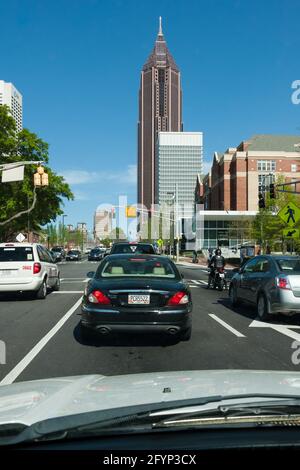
(18, 196)
(117, 234)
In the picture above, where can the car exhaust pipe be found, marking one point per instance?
(173, 331)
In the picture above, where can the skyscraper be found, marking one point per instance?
(10, 96)
(160, 110)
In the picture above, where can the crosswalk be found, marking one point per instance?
(196, 283)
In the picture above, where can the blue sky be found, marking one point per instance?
(77, 64)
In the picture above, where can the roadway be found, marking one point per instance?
(42, 336)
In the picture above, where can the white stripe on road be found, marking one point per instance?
(194, 281)
(228, 327)
(67, 292)
(18, 369)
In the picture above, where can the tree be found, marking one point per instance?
(117, 234)
(17, 196)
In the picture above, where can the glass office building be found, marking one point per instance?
(179, 161)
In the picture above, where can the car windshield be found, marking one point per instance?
(289, 265)
(16, 254)
(137, 267)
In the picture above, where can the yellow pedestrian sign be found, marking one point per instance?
(290, 214)
(290, 233)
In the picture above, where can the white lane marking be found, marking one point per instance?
(284, 329)
(18, 369)
(194, 281)
(228, 327)
(73, 282)
(192, 285)
(67, 292)
(203, 282)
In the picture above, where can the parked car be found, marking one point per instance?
(132, 247)
(96, 254)
(137, 293)
(27, 267)
(73, 255)
(271, 283)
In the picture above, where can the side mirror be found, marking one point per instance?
(90, 274)
(182, 276)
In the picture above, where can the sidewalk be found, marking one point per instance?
(186, 261)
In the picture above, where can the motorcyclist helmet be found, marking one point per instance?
(218, 252)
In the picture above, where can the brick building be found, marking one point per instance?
(238, 175)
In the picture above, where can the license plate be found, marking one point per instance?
(6, 272)
(222, 275)
(134, 299)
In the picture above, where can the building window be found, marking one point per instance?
(264, 182)
(293, 167)
(266, 165)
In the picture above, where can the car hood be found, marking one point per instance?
(34, 401)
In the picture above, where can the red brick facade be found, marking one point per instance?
(235, 176)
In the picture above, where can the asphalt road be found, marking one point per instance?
(42, 336)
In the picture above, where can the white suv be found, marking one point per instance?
(27, 267)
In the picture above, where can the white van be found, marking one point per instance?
(27, 267)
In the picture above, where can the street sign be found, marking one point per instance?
(20, 238)
(290, 233)
(290, 214)
(13, 174)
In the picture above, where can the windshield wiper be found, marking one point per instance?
(285, 408)
(148, 417)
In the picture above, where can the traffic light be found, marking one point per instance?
(272, 191)
(261, 201)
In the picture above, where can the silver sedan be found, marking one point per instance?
(271, 283)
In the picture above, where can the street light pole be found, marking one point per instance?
(63, 229)
(177, 228)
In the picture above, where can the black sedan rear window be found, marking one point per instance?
(137, 267)
(145, 249)
(289, 265)
(16, 253)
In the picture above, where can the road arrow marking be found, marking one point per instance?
(283, 329)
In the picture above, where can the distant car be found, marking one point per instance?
(59, 252)
(96, 254)
(27, 267)
(271, 283)
(73, 255)
(56, 255)
(137, 293)
(132, 247)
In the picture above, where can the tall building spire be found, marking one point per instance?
(159, 111)
(160, 55)
(160, 33)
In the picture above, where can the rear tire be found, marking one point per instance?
(262, 308)
(41, 293)
(233, 296)
(186, 335)
(56, 287)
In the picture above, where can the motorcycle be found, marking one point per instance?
(219, 280)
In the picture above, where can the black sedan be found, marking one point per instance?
(73, 255)
(137, 293)
(96, 254)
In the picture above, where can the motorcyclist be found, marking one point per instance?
(217, 261)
